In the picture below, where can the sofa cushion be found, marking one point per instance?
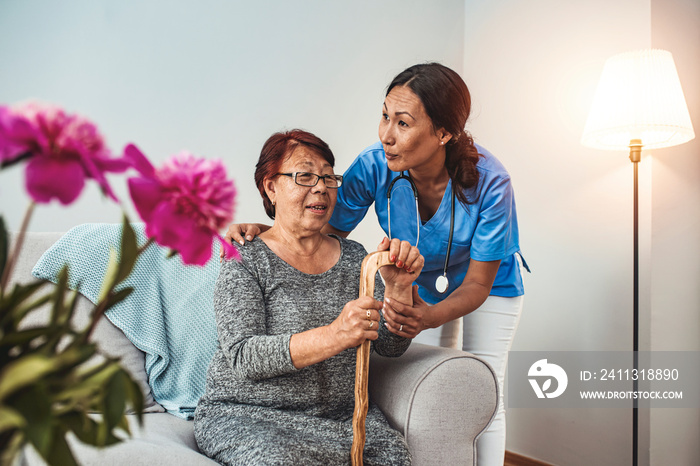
(163, 440)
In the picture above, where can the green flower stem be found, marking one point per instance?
(145, 246)
(18, 245)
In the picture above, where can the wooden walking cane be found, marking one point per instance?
(370, 266)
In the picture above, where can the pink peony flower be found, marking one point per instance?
(184, 203)
(18, 136)
(63, 150)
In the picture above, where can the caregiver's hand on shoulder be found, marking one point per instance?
(407, 259)
(407, 321)
(359, 321)
(240, 233)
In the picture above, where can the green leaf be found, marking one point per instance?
(77, 398)
(4, 245)
(76, 354)
(88, 387)
(81, 425)
(111, 274)
(134, 397)
(60, 454)
(89, 372)
(10, 419)
(24, 337)
(71, 302)
(118, 296)
(22, 292)
(21, 310)
(61, 320)
(11, 304)
(59, 313)
(129, 251)
(121, 262)
(33, 404)
(11, 448)
(23, 372)
(85, 428)
(114, 400)
(124, 424)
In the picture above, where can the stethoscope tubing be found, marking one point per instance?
(415, 196)
(449, 240)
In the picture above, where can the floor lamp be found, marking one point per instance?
(639, 103)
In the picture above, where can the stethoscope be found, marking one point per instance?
(442, 283)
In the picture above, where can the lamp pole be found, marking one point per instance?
(660, 118)
(635, 157)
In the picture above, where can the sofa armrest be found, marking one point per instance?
(441, 399)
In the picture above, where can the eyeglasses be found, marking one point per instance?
(311, 179)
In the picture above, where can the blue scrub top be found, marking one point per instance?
(486, 230)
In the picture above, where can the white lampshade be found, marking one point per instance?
(639, 96)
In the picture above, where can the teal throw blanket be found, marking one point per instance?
(169, 315)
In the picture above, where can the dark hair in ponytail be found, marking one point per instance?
(447, 102)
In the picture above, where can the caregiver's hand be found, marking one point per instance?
(242, 232)
(407, 259)
(407, 321)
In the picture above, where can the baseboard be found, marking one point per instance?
(515, 459)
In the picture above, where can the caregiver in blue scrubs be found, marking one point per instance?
(456, 200)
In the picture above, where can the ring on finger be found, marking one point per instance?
(369, 314)
(401, 328)
(371, 323)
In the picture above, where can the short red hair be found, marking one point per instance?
(275, 151)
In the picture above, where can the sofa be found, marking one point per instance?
(440, 399)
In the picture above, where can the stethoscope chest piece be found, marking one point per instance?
(441, 284)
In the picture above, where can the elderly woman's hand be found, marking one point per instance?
(359, 321)
(407, 259)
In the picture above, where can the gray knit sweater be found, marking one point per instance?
(258, 408)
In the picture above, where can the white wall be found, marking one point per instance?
(533, 68)
(675, 289)
(214, 77)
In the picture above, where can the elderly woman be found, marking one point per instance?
(280, 388)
